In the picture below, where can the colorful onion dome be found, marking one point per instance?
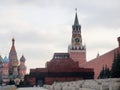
(5, 60)
(22, 59)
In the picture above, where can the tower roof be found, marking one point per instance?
(13, 40)
(5, 60)
(22, 59)
(13, 46)
(13, 54)
(76, 22)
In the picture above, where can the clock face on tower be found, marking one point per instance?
(77, 40)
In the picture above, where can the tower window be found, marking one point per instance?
(73, 28)
(76, 27)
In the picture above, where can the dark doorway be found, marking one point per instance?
(39, 82)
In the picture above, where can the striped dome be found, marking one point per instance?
(5, 60)
(22, 59)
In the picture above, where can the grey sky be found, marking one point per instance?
(42, 27)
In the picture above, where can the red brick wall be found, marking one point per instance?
(78, 56)
(99, 62)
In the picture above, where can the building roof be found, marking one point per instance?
(13, 54)
(76, 22)
(5, 60)
(61, 56)
(13, 46)
(22, 59)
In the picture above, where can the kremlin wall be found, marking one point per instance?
(104, 60)
(73, 65)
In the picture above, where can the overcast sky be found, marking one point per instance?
(43, 27)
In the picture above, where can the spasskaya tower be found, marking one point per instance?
(77, 50)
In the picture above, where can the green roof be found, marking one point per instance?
(76, 22)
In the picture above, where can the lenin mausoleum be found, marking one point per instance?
(73, 65)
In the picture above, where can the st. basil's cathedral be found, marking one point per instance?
(11, 68)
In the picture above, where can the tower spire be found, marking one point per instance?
(76, 9)
(13, 41)
(13, 61)
(76, 22)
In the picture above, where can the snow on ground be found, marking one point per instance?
(32, 88)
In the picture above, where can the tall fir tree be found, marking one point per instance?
(105, 73)
(101, 75)
(115, 70)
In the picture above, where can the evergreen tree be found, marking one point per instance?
(101, 75)
(105, 73)
(115, 71)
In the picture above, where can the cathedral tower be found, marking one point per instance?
(76, 50)
(13, 61)
(5, 70)
(22, 68)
